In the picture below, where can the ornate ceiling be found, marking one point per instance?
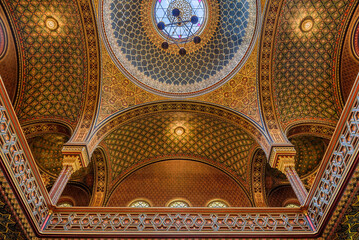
(163, 181)
(304, 75)
(310, 151)
(62, 100)
(118, 88)
(54, 63)
(204, 137)
(131, 40)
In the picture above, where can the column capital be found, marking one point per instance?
(75, 156)
(281, 157)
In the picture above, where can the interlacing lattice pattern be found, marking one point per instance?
(217, 204)
(204, 136)
(258, 168)
(340, 162)
(101, 178)
(207, 222)
(178, 204)
(140, 204)
(18, 167)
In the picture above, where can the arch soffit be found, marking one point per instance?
(86, 108)
(265, 72)
(100, 177)
(92, 101)
(323, 130)
(11, 53)
(37, 128)
(266, 43)
(258, 161)
(244, 123)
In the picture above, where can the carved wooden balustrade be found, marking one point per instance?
(19, 167)
(338, 163)
(47, 220)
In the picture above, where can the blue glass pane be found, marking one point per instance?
(180, 27)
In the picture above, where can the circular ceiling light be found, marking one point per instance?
(307, 24)
(146, 55)
(51, 23)
(179, 131)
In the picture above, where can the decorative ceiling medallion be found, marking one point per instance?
(3, 39)
(134, 43)
(206, 30)
(307, 24)
(355, 40)
(51, 23)
(179, 131)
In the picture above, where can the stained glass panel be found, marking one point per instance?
(178, 204)
(217, 204)
(180, 27)
(140, 204)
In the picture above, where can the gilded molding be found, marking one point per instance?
(179, 106)
(76, 156)
(282, 157)
(285, 161)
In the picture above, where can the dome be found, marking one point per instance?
(228, 30)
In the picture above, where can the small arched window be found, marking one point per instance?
(139, 204)
(292, 205)
(217, 204)
(65, 204)
(178, 204)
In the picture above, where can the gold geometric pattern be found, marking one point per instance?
(46, 150)
(304, 88)
(310, 151)
(54, 61)
(204, 137)
(349, 227)
(117, 92)
(239, 93)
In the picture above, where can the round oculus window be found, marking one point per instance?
(181, 19)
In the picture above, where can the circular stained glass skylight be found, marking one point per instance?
(180, 27)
